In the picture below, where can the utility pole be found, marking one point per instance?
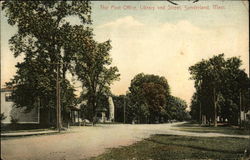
(58, 99)
(200, 112)
(124, 110)
(199, 97)
(244, 111)
(215, 109)
(240, 109)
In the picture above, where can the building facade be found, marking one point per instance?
(14, 114)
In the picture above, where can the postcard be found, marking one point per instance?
(132, 80)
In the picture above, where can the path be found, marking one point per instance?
(84, 142)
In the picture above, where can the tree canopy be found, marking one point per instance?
(95, 72)
(149, 100)
(47, 39)
(219, 81)
(44, 38)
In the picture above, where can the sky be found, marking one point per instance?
(159, 38)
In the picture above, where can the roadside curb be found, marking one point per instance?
(19, 134)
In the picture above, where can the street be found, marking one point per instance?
(84, 142)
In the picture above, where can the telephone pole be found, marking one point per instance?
(124, 110)
(200, 113)
(215, 108)
(240, 109)
(58, 99)
(199, 98)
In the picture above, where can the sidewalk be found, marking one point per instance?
(28, 133)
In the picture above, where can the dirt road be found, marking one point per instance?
(84, 142)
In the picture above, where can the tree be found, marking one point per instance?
(148, 96)
(176, 108)
(218, 83)
(94, 71)
(195, 108)
(149, 101)
(44, 38)
(119, 102)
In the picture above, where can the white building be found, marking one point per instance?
(111, 109)
(18, 114)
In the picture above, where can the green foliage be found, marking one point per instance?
(44, 38)
(94, 71)
(225, 77)
(195, 127)
(176, 109)
(149, 101)
(119, 107)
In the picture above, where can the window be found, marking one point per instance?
(8, 97)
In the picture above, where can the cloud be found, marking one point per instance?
(167, 49)
(182, 26)
(124, 22)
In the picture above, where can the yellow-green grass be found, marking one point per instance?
(169, 147)
(193, 127)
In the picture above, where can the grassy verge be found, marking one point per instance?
(169, 147)
(193, 127)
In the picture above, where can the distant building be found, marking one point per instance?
(245, 115)
(101, 114)
(111, 109)
(75, 115)
(17, 114)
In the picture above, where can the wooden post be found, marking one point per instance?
(240, 110)
(59, 104)
(199, 89)
(244, 112)
(57, 98)
(78, 116)
(58, 101)
(124, 110)
(200, 113)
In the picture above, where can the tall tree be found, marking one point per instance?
(176, 109)
(218, 83)
(94, 71)
(44, 38)
(148, 94)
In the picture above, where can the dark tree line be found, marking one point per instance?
(221, 89)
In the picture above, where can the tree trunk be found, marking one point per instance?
(92, 102)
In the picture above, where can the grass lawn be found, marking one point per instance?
(169, 147)
(194, 127)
